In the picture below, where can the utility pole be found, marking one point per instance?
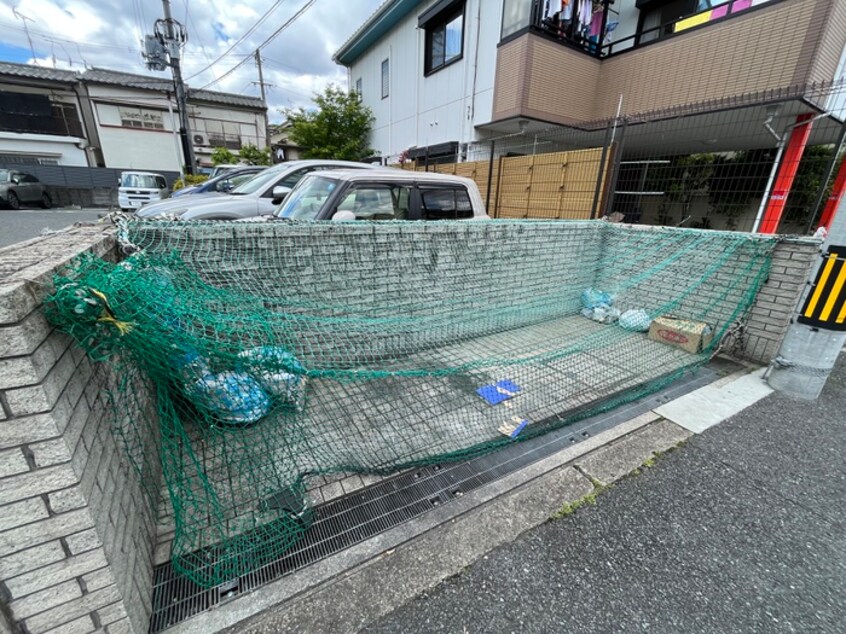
(818, 329)
(165, 49)
(263, 98)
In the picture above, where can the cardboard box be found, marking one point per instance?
(691, 336)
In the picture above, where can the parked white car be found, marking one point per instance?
(383, 194)
(258, 196)
(136, 189)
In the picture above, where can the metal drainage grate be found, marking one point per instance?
(343, 522)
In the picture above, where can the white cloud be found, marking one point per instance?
(107, 33)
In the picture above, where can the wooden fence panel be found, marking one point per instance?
(543, 186)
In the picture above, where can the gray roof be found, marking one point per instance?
(127, 80)
(148, 82)
(38, 72)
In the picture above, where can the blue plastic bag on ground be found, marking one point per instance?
(591, 298)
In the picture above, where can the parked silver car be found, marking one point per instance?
(18, 188)
(258, 196)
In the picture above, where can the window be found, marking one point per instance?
(444, 38)
(141, 118)
(377, 202)
(445, 203)
(386, 78)
(358, 85)
(515, 16)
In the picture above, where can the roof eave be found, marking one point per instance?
(385, 18)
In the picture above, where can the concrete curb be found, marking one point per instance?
(351, 589)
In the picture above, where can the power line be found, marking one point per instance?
(267, 41)
(249, 32)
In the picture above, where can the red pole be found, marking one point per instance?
(787, 173)
(836, 194)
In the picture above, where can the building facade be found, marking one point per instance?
(439, 74)
(105, 118)
(40, 116)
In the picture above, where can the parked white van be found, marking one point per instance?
(136, 189)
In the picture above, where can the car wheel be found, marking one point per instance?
(45, 201)
(13, 201)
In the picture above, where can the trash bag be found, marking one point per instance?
(277, 371)
(591, 298)
(603, 314)
(230, 397)
(636, 320)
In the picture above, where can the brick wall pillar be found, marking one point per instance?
(76, 529)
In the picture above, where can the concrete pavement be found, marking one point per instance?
(16, 226)
(743, 530)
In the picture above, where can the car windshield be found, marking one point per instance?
(146, 181)
(258, 182)
(307, 198)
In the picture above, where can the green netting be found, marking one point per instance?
(279, 352)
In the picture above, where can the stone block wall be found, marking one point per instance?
(770, 316)
(76, 526)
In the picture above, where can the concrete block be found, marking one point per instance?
(623, 456)
(23, 537)
(83, 541)
(56, 573)
(44, 600)
(710, 405)
(42, 397)
(112, 613)
(23, 512)
(30, 559)
(12, 462)
(98, 579)
(31, 369)
(82, 625)
(73, 609)
(120, 627)
(26, 485)
(24, 337)
(66, 499)
(50, 452)
(17, 300)
(20, 431)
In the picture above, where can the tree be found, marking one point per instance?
(254, 156)
(222, 156)
(339, 128)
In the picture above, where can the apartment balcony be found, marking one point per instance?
(701, 61)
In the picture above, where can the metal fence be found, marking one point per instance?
(78, 177)
(725, 166)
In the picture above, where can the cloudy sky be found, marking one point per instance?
(108, 34)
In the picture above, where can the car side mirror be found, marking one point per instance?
(344, 215)
(225, 186)
(279, 193)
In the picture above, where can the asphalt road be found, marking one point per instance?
(24, 224)
(742, 530)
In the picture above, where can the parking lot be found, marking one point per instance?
(24, 224)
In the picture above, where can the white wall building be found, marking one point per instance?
(105, 118)
(40, 119)
(426, 69)
(137, 121)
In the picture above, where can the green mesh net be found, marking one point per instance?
(277, 352)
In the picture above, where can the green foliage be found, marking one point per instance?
(338, 129)
(222, 156)
(254, 156)
(189, 180)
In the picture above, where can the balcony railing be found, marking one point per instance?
(600, 37)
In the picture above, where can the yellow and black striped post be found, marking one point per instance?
(825, 306)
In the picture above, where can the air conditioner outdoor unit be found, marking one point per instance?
(199, 139)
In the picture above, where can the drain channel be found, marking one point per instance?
(343, 522)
